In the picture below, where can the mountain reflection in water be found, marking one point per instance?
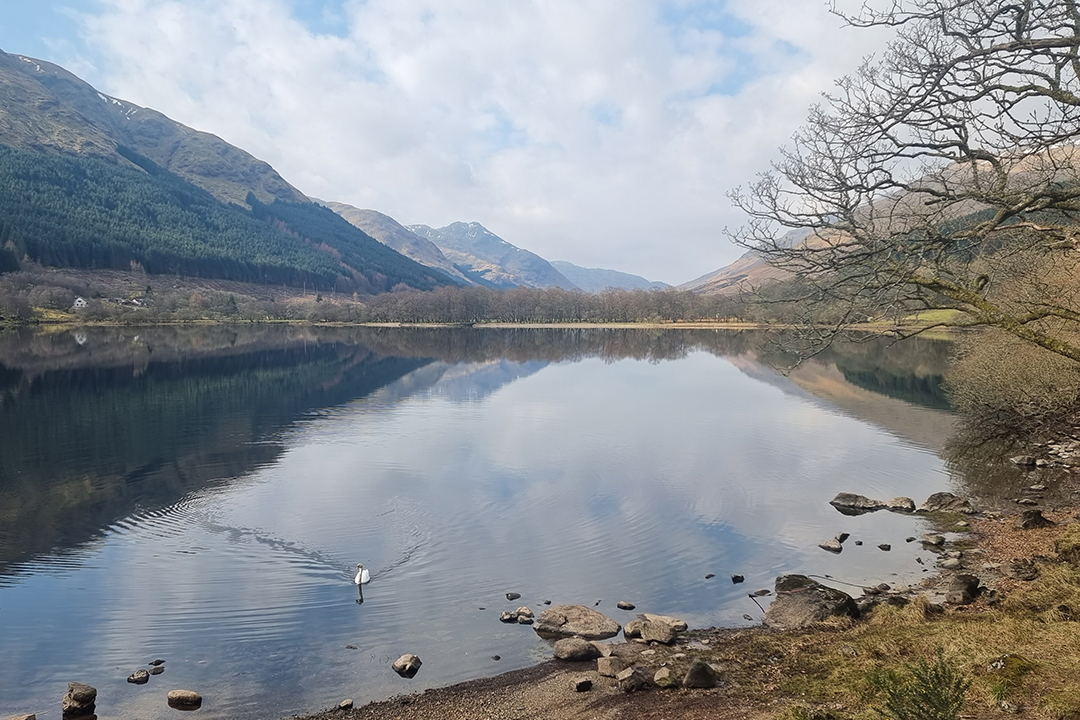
(204, 492)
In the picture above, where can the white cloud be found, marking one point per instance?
(582, 130)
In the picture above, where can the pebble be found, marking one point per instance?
(582, 685)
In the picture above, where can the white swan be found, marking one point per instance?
(363, 577)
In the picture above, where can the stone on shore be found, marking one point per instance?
(946, 502)
(699, 675)
(632, 629)
(633, 679)
(1021, 569)
(575, 649)
(570, 620)
(801, 601)
(901, 504)
(139, 677)
(852, 504)
(962, 590)
(345, 704)
(933, 540)
(31, 716)
(664, 678)
(1033, 520)
(582, 685)
(407, 665)
(79, 700)
(184, 699)
(660, 628)
(1023, 460)
(610, 666)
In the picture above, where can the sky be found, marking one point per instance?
(602, 132)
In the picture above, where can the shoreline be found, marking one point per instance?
(821, 670)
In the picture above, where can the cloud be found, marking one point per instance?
(604, 132)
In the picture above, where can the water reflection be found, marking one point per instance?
(205, 494)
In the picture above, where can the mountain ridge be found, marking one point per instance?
(598, 279)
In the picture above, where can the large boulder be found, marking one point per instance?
(660, 628)
(575, 620)
(962, 590)
(610, 666)
(79, 700)
(575, 649)
(1033, 520)
(901, 504)
(852, 504)
(801, 601)
(945, 502)
(633, 629)
(699, 675)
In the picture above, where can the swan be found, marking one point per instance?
(363, 577)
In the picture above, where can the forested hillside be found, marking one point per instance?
(88, 213)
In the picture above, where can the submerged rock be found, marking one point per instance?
(139, 677)
(407, 665)
(801, 601)
(571, 620)
(79, 700)
(184, 699)
(852, 504)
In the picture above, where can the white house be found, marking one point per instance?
(79, 304)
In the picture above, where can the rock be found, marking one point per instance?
(156, 663)
(547, 602)
(664, 678)
(950, 564)
(1042, 463)
(525, 620)
(345, 704)
(623, 605)
(842, 537)
(571, 620)
(660, 628)
(747, 617)
(1023, 460)
(859, 543)
(23, 717)
(508, 617)
(1022, 569)
(901, 504)
(1037, 488)
(736, 579)
(852, 504)
(763, 592)
(710, 576)
(699, 675)
(945, 502)
(139, 677)
(632, 629)
(575, 650)
(933, 540)
(832, 546)
(496, 658)
(1026, 501)
(351, 647)
(633, 679)
(184, 699)
(604, 649)
(1033, 519)
(157, 669)
(610, 666)
(79, 700)
(511, 596)
(962, 590)
(524, 611)
(801, 601)
(581, 685)
(407, 665)
(886, 546)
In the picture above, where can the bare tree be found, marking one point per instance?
(942, 175)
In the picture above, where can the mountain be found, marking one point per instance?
(484, 256)
(93, 182)
(45, 108)
(390, 232)
(749, 271)
(598, 279)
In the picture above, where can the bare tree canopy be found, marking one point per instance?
(942, 175)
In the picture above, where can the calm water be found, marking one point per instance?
(203, 495)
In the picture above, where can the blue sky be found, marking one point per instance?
(603, 132)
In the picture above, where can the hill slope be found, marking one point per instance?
(393, 234)
(598, 279)
(45, 108)
(480, 253)
(749, 271)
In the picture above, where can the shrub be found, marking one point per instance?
(926, 691)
